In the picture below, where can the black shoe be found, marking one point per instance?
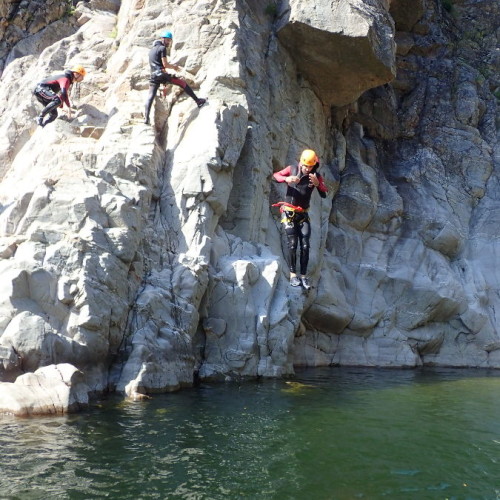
(39, 120)
(146, 121)
(201, 102)
(305, 283)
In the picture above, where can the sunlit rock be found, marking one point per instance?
(53, 389)
(343, 47)
(150, 256)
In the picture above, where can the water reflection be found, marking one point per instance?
(328, 434)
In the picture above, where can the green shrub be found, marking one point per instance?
(70, 8)
(271, 9)
(448, 5)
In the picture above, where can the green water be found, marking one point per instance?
(330, 434)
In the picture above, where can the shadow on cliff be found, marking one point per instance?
(91, 116)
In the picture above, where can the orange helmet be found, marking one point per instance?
(309, 158)
(79, 69)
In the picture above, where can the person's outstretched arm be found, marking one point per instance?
(284, 176)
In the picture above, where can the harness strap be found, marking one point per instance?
(45, 92)
(288, 207)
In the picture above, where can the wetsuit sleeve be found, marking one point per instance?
(322, 189)
(282, 174)
(64, 83)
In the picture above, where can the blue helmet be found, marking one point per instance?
(167, 34)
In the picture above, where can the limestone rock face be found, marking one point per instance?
(53, 389)
(148, 257)
(28, 27)
(343, 48)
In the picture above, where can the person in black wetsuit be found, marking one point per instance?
(53, 93)
(302, 179)
(159, 66)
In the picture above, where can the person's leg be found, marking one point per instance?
(51, 118)
(50, 100)
(291, 234)
(43, 102)
(50, 109)
(41, 99)
(304, 229)
(189, 91)
(153, 89)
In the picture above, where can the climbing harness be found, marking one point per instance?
(288, 206)
(291, 212)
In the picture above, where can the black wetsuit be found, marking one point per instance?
(158, 77)
(52, 93)
(296, 223)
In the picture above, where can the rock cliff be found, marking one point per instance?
(149, 256)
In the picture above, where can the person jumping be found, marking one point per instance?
(53, 93)
(302, 179)
(159, 75)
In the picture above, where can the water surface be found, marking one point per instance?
(332, 433)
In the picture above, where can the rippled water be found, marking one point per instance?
(328, 434)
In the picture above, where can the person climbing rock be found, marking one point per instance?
(159, 74)
(301, 179)
(53, 93)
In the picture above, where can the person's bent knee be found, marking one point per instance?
(178, 81)
(55, 103)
